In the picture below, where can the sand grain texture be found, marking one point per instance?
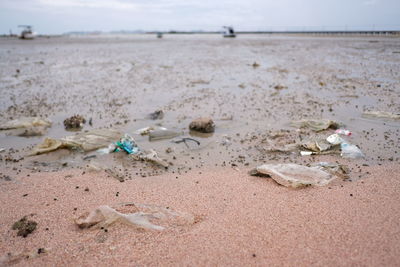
(241, 220)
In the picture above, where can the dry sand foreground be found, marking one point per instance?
(253, 87)
(241, 220)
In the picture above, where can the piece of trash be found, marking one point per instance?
(343, 132)
(334, 139)
(162, 134)
(204, 125)
(24, 226)
(128, 144)
(14, 258)
(333, 168)
(89, 157)
(87, 141)
(184, 140)
(107, 150)
(2, 150)
(74, 122)
(294, 175)
(29, 132)
(350, 151)
(315, 125)
(255, 65)
(317, 146)
(25, 122)
(280, 87)
(152, 156)
(381, 114)
(157, 115)
(144, 131)
(138, 215)
(307, 153)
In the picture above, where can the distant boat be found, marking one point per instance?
(229, 32)
(27, 33)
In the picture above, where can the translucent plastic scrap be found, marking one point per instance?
(294, 175)
(25, 122)
(315, 125)
(139, 215)
(351, 151)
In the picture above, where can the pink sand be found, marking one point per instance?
(242, 220)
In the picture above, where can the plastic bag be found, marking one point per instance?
(294, 175)
(139, 215)
(25, 122)
(350, 151)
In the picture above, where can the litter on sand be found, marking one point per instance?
(87, 141)
(184, 140)
(294, 175)
(315, 125)
(25, 122)
(142, 216)
(381, 114)
(162, 134)
(127, 144)
(333, 168)
(144, 131)
(152, 156)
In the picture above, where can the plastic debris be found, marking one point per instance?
(152, 156)
(315, 125)
(162, 134)
(87, 141)
(25, 122)
(294, 175)
(138, 215)
(350, 151)
(157, 115)
(184, 140)
(204, 125)
(343, 132)
(381, 114)
(333, 168)
(2, 150)
(334, 139)
(144, 131)
(74, 122)
(307, 153)
(107, 150)
(128, 144)
(317, 146)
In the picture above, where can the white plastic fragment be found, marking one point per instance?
(306, 153)
(294, 175)
(334, 139)
(144, 216)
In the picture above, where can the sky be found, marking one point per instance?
(61, 16)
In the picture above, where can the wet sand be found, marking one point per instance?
(239, 219)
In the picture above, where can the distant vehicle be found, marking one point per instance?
(229, 32)
(27, 33)
(159, 35)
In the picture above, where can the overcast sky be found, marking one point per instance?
(59, 16)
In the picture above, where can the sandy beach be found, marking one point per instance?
(253, 87)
